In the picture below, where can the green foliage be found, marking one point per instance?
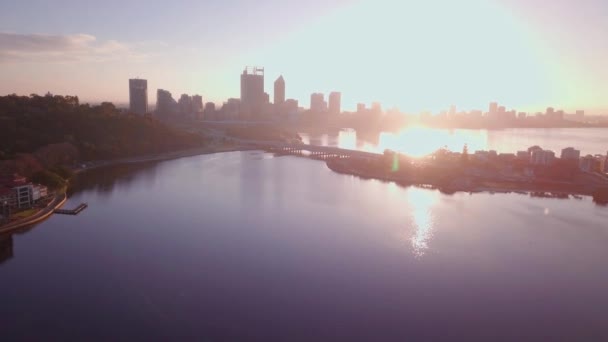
(99, 132)
(63, 172)
(49, 179)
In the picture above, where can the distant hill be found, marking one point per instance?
(35, 124)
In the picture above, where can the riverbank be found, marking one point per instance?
(60, 199)
(41, 215)
(161, 157)
(472, 185)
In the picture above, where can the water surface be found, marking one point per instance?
(245, 246)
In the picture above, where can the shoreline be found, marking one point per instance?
(60, 200)
(478, 187)
(41, 215)
(92, 165)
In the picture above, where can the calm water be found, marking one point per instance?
(419, 141)
(244, 246)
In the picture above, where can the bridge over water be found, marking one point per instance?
(315, 151)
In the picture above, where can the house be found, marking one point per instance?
(23, 190)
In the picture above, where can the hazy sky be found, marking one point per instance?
(413, 54)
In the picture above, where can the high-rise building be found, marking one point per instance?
(185, 104)
(317, 102)
(197, 104)
(377, 107)
(279, 91)
(360, 107)
(571, 153)
(252, 91)
(138, 96)
(493, 108)
(335, 103)
(165, 104)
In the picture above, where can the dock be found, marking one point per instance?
(74, 211)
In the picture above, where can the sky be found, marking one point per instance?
(415, 55)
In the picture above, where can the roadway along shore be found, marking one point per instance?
(162, 157)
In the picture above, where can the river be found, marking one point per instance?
(420, 141)
(246, 246)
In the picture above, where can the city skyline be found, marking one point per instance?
(413, 57)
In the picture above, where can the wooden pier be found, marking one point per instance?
(74, 211)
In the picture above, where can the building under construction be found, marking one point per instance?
(253, 97)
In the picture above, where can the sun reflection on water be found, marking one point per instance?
(422, 202)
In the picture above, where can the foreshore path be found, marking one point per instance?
(43, 214)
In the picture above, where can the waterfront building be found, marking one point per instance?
(570, 153)
(542, 157)
(588, 163)
(138, 96)
(335, 106)
(317, 103)
(279, 91)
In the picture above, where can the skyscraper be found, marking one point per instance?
(185, 104)
(252, 91)
(138, 96)
(317, 102)
(197, 104)
(335, 106)
(165, 104)
(279, 91)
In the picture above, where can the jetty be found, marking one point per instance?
(74, 211)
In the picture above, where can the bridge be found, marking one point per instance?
(315, 151)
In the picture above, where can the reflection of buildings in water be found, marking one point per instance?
(370, 137)
(6, 247)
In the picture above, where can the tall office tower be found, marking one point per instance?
(138, 96)
(165, 104)
(335, 103)
(279, 91)
(252, 91)
(197, 104)
(317, 102)
(185, 104)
